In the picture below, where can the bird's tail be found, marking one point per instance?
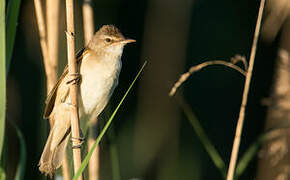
(52, 158)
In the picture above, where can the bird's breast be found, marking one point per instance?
(99, 80)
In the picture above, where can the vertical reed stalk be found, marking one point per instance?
(52, 22)
(72, 66)
(50, 66)
(94, 162)
(88, 19)
(43, 43)
(65, 168)
(239, 128)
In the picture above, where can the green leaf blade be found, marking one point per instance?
(11, 25)
(2, 74)
(202, 136)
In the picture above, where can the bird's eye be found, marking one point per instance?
(108, 40)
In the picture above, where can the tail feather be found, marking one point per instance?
(51, 159)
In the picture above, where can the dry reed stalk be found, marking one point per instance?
(239, 128)
(52, 22)
(52, 25)
(50, 66)
(72, 66)
(88, 19)
(198, 67)
(49, 70)
(94, 162)
(65, 168)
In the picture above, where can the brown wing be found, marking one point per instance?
(52, 95)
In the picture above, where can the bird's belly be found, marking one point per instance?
(95, 92)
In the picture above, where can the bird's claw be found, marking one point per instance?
(77, 142)
(76, 79)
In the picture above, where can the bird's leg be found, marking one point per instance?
(76, 79)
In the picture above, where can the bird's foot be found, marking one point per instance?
(77, 142)
(76, 79)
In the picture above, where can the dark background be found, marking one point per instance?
(214, 30)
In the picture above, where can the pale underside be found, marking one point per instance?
(98, 81)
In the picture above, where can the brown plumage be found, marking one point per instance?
(99, 66)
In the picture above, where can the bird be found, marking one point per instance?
(99, 65)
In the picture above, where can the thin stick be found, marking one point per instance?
(239, 128)
(72, 66)
(198, 67)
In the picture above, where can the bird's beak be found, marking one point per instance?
(126, 41)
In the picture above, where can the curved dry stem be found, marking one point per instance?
(239, 58)
(198, 67)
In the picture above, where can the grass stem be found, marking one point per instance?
(239, 128)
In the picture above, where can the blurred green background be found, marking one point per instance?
(151, 136)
